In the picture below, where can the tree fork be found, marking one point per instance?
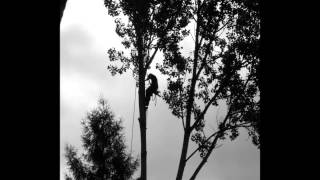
(183, 156)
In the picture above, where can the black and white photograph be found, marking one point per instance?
(160, 89)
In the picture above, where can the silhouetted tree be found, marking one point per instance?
(62, 7)
(105, 154)
(144, 21)
(223, 68)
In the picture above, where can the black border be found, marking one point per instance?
(286, 132)
(31, 125)
(31, 73)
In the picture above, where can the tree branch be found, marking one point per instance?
(193, 81)
(225, 129)
(205, 58)
(211, 101)
(184, 127)
(206, 108)
(198, 73)
(181, 107)
(208, 49)
(204, 160)
(201, 146)
(152, 38)
(223, 26)
(151, 58)
(156, 49)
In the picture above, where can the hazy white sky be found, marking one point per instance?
(86, 33)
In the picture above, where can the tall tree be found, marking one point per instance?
(223, 68)
(141, 25)
(105, 154)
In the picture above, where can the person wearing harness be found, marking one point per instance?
(152, 89)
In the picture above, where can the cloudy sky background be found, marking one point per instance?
(86, 33)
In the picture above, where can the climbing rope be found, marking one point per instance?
(154, 98)
(134, 109)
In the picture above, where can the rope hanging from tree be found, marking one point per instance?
(134, 110)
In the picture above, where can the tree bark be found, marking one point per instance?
(142, 109)
(183, 156)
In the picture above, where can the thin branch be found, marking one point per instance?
(220, 131)
(223, 26)
(206, 107)
(152, 57)
(152, 38)
(211, 101)
(208, 49)
(192, 37)
(195, 21)
(181, 107)
(182, 114)
(201, 146)
(213, 145)
(193, 80)
(205, 58)
(204, 160)
(156, 49)
(184, 127)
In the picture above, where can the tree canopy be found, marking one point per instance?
(105, 154)
(144, 26)
(224, 67)
(148, 20)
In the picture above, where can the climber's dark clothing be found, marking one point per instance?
(152, 89)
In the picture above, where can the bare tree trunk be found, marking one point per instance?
(142, 109)
(62, 7)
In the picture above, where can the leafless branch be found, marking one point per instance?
(151, 58)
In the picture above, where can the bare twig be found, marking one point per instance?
(151, 58)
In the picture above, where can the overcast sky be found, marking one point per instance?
(86, 33)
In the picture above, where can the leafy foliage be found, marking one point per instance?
(145, 26)
(153, 21)
(224, 67)
(105, 154)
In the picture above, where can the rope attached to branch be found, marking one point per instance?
(134, 110)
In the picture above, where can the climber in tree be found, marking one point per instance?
(152, 89)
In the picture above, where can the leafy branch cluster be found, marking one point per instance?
(105, 154)
(158, 23)
(224, 67)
